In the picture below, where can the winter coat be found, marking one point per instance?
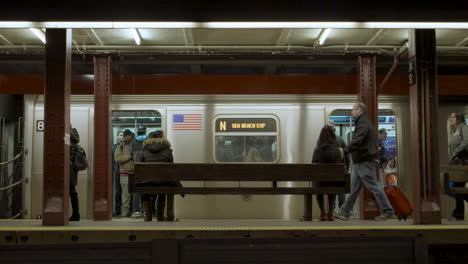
(327, 153)
(137, 143)
(74, 140)
(158, 150)
(123, 156)
(364, 144)
(73, 171)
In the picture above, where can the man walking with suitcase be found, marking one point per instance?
(364, 149)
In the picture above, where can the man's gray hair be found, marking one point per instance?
(362, 107)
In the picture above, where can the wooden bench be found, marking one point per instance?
(456, 174)
(202, 172)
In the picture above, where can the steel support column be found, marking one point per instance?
(57, 126)
(102, 204)
(424, 137)
(367, 90)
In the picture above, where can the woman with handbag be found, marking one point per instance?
(458, 155)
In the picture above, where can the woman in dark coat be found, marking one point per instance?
(327, 151)
(158, 149)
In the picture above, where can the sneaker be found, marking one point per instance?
(341, 216)
(137, 214)
(383, 217)
(453, 218)
(330, 217)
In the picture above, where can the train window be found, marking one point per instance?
(142, 123)
(246, 139)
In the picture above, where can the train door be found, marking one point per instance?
(142, 123)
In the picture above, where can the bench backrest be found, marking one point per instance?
(163, 172)
(456, 174)
(152, 171)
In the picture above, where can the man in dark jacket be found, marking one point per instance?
(158, 149)
(364, 150)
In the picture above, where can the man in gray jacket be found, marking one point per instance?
(364, 149)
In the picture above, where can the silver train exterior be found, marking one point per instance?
(299, 117)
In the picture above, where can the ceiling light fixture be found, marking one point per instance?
(136, 35)
(39, 33)
(324, 35)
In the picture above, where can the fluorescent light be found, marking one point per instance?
(324, 35)
(39, 33)
(136, 35)
(247, 25)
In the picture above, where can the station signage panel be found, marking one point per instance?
(245, 125)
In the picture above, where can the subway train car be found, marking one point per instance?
(225, 128)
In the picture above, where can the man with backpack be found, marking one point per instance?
(78, 162)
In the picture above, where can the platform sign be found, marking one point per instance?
(245, 125)
(40, 125)
(412, 71)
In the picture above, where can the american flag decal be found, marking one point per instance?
(187, 122)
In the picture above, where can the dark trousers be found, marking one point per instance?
(460, 199)
(459, 211)
(117, 191)
(74, 203)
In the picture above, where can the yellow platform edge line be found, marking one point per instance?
(233, 228)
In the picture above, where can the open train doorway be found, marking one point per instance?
(142, 123)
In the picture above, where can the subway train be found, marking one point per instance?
(284, 128)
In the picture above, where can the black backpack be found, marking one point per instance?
(80, 163)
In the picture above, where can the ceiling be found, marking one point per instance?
(193, 40)
(229, 50)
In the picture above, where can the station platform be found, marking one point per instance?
(24, 232)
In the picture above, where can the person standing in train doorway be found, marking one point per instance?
(117, 189)
(124, 156)
(78, 162)
(458, 155)
(364, 149)
(137, 148)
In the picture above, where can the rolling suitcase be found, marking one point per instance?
(399, 202)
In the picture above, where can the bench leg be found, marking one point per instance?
(308, 207)
(170, 207)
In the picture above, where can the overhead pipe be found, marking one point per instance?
(390, 72)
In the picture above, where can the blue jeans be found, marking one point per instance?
(364, 173)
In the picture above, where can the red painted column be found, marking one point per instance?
(424, 137)
(102, 203)
(57, 126)
(367, 90)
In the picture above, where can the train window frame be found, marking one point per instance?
(135, 129)
(247, 115)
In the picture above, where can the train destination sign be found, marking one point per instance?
(245, 125)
